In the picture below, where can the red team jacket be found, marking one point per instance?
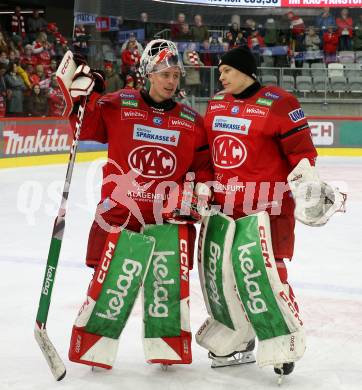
(150, 146)
(256, 139)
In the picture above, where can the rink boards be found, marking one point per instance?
(42, 141)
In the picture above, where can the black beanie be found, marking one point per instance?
(242, 59)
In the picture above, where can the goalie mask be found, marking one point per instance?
(158, 55)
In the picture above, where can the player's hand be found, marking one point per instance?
(192, 205)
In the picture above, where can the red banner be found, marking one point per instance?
(26, 137)
(103, 23)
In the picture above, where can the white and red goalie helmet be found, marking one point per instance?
(158, 55)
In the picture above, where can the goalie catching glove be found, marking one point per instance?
(315, 200)
(76, 79)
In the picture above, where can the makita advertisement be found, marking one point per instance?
(21, 137)
(29, 137)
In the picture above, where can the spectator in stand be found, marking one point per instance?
(3, 43)
(4, 58)
(58, 43)
(232, 34)
(255, 44)
(130, 59)
(12, 56)
(199, 31)
(132, 38)
(18, 24)
(271, 33)
(52, 68)
(23, 74)
(250, 26)
(36, 23)
(297, 30)
(330, 44)
(112, 81)
(15, 87)
(28, 57)
(193, 63)
(149, 28)
(345, 30)
(39, 77)
(3, 90)
(208, 58)
(324, 20)
(81, 38)
(37, 103)
(176, 26)
(357, 39)
(312, 45)
(185, 33)
(130, 82)
(56, 102)
(42, 49)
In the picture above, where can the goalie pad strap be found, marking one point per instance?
(167, 333)
(111, 297)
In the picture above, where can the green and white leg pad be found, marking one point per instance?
(227, 329)
(265, 299)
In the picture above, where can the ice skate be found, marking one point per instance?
(234, 359)
(283, 369)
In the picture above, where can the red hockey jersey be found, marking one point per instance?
(150, 149)
(255, 142)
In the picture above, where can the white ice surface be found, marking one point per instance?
(326, 274)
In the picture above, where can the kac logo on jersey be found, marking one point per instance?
(231, 125)
(296, 115)
(157, 120)
(235, 110)
(155, 135)
(228, 152)
(152, 161)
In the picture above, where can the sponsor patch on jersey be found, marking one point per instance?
(187, 116)
(271, 95)
(124, 95)
(189, 111)
(218, 97)
(155, 135)
(265, 102)
(258, 111)
(235, 110)
(296, 115)
(129, 103)
(231, 125)
(133, 114)
(228, 152)
(178, 122)
(157, 121)
(152, 161)
(217, 106)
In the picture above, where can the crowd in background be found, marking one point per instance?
(31, 49)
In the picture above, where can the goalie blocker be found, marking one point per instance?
(164, 250)
(244, 294)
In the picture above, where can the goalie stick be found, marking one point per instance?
(55, 363)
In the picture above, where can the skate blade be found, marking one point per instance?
(246, 358)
